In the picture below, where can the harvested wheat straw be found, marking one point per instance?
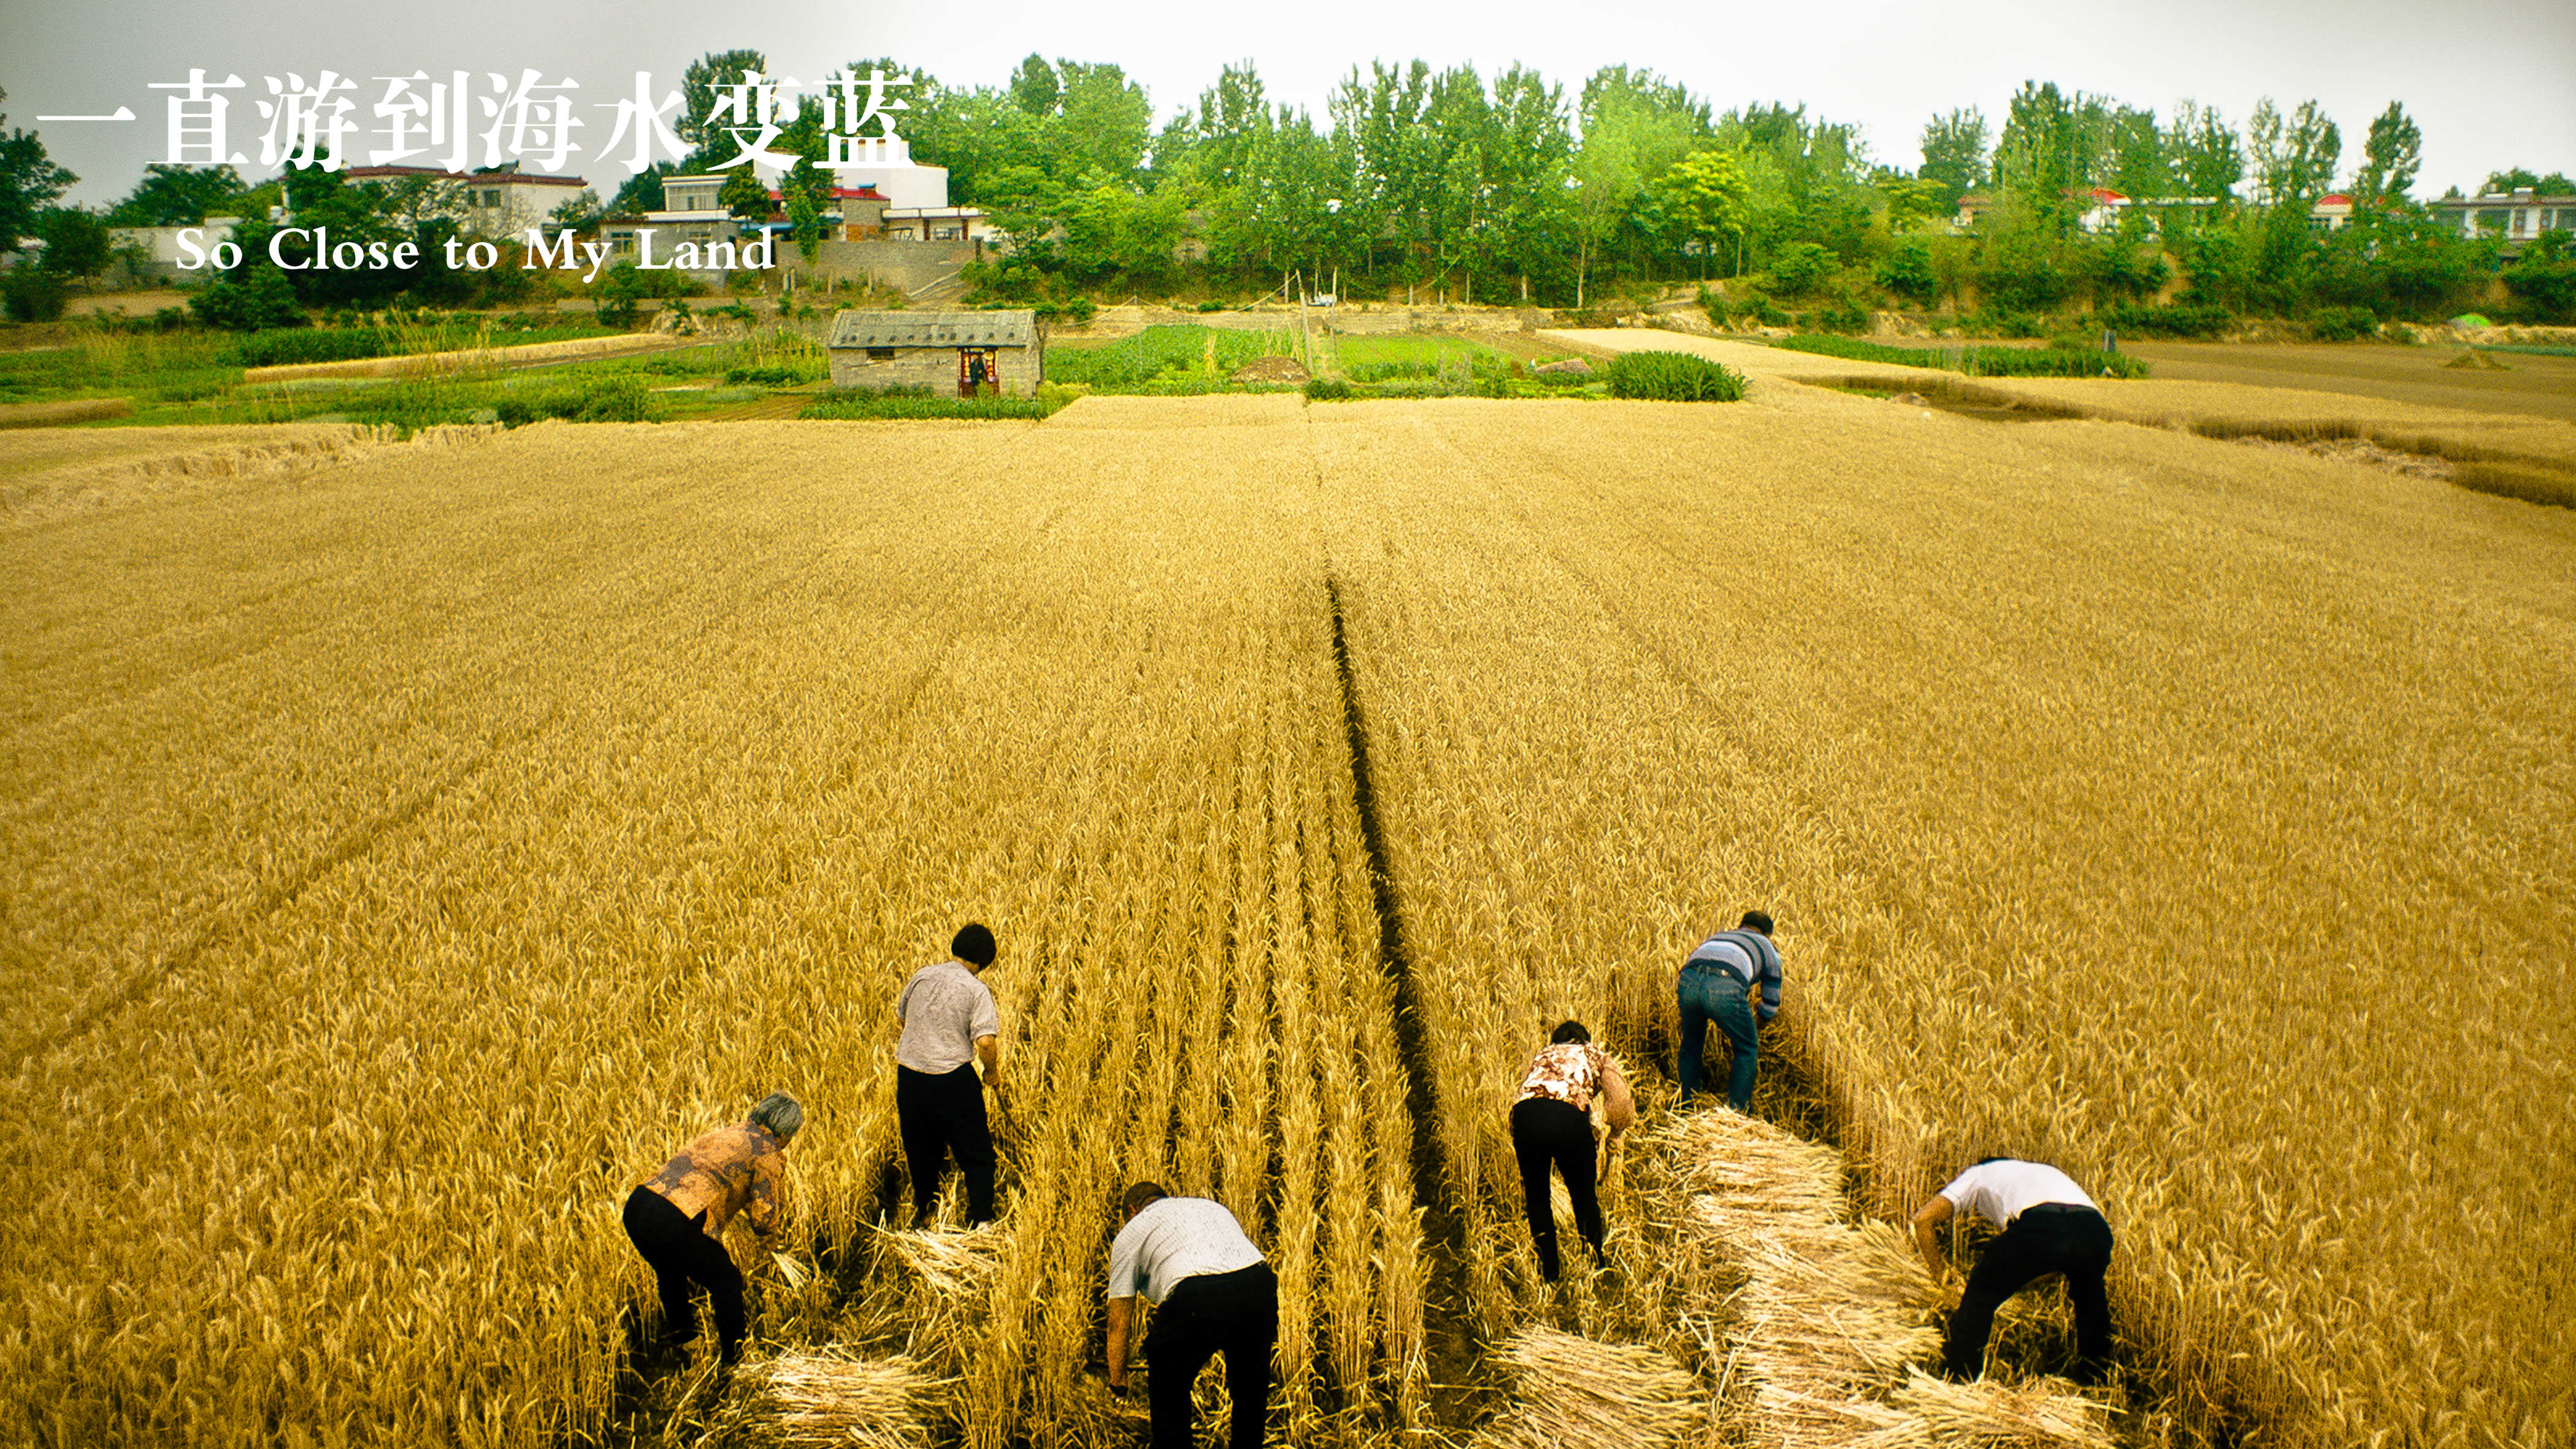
(1572, 1391)
(1832, 1314)
(829, 1398)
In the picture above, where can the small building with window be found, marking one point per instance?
(954, 354)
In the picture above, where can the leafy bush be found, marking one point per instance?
(31, 294)
(1673, 377)
(1327, 389)
(282, 346)
(604, 400)
(1211, 305)
(1857, 351)
(261, 299)
(2203, 320)
(2342, 324)
(1906, 271)
(1846, 317)
(1801, 267)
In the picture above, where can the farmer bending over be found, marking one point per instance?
(1216, 1294)
(677, 1220)
(2049, 1226)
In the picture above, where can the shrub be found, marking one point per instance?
(1327, 389)
(622, 399)
(261, 299)
(2342, 324)
(1211, 305)
(2206, 319)
(1906, 272)
(1801, 267)
(1673, 377)
(31, 294)
(286, 345)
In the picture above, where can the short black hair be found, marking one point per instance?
(973, 943)
(1982, 1161)
(1755, 921)
(1570, 1031)
(1142, 1196)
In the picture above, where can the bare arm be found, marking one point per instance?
(1617, 1103)
(1122, 1316)
(988, 1050)
(1928, 1218)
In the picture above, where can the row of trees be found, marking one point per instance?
(1511, 190)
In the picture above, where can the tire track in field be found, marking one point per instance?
(1449, 1340)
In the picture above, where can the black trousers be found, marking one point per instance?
(2049, 1238)
(939, 1115)
(1236, 1314)
(1547, 1133)
(681, 1254)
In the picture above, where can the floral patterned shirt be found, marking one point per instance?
(732, 1169)
(1573, 1072)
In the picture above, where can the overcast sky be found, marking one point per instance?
(2492, 83)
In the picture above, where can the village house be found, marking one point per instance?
(501, 203)
(2512, 217)
(952, 353)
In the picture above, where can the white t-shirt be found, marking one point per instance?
(2004, 1189)
(1172, 1239)
(943, 1008)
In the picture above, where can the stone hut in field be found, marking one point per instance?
(954, 354)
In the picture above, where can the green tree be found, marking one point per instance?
(2517, 178)
(700, 87)
(1101, 125)
(2294, 162)
(1706, 195)
(579, 213)
(1954, 156)
(2201, 153)
(77, 243)
(2389, 158)
(29, 182)
(642, 191)
(745, 196)
(177, 196)
(1634, 126)
(1908, 272)
(1034, 87)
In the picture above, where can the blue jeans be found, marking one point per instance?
(1712, 993)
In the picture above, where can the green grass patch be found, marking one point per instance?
(2530, 349)
(1385, 359)
(1168, 354)
(910, 403)
(1973, 361)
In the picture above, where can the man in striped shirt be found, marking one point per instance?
(1717, 985)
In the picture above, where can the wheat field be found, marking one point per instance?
(408, 848)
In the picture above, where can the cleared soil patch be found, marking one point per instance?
(2538, 386)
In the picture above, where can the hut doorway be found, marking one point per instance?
(977, 367)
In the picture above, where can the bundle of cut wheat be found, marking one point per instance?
(1571, 1391)
(838, 1399)
(2043, 1414)
(1830, 1314)
(940, 1290)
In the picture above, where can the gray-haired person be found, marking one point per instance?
(949, 1023)
(677, 1218)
